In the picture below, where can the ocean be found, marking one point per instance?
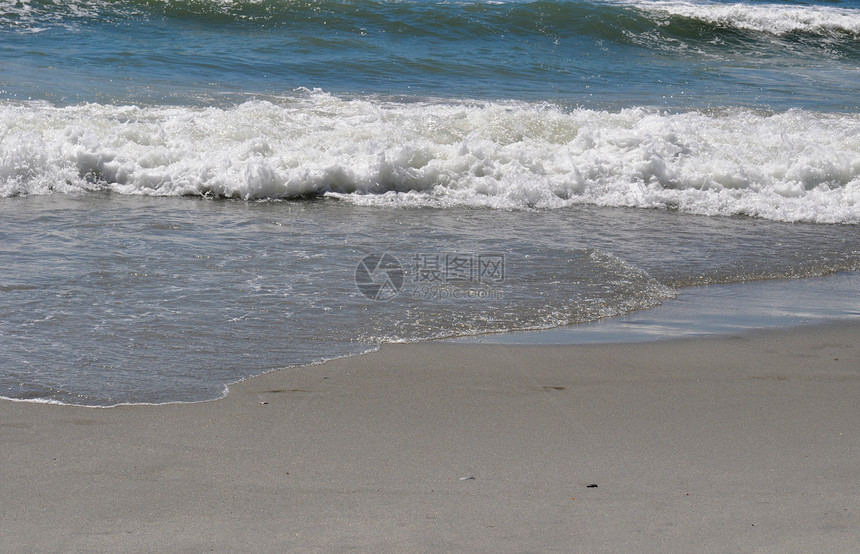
(194, 192)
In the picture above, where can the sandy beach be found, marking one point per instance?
(739, 443)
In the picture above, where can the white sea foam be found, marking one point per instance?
(23, 16)
(790, 166)
(768, 18)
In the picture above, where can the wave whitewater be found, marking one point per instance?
(777, 19)
(789, 166)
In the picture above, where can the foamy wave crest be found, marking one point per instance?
(790, 166)
(768, 18)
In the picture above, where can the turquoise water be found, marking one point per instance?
(195, 192)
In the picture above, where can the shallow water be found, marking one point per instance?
(713, 310)
(110, 299)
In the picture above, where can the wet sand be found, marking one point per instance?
(736, 443)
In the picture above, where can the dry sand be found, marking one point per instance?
(740, 443)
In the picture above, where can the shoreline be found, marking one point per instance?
(737, 442)
(698, 311)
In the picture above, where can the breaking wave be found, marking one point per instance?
(788, 166)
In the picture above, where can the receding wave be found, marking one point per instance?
(788, 166)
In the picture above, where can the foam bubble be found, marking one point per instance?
(790, 166)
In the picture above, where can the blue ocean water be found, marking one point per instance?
(189, 188)
(612, 54)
